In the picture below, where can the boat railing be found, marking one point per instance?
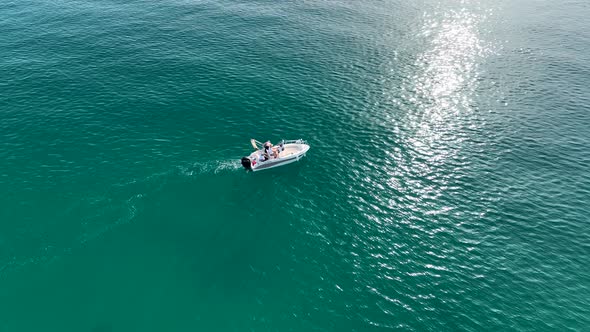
(293, 141)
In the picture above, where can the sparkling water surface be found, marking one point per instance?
(447, 186)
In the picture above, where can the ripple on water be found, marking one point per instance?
(446, 187)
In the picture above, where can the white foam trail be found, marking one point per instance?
(211, 167)
(126, 210)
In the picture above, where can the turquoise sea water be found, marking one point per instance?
(447, 186)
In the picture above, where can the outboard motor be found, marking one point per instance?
(246, 163)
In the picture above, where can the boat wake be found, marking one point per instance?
(95, 214)
(120, 205)
(211, 167)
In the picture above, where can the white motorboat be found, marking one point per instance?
(285, 152)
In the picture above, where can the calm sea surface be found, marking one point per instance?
(447, 187)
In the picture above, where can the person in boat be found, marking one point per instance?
(273, 151)
(280, 148)
(268, 150)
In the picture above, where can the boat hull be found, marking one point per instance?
(291, 153)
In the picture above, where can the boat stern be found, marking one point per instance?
(247, 163)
